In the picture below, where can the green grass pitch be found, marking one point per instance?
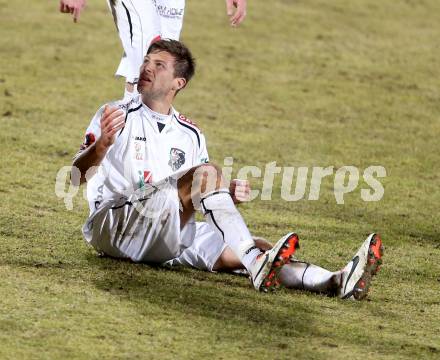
(303, 83)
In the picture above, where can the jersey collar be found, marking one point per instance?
(159, 122)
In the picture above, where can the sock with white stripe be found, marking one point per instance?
(220, 212)
(305, 276)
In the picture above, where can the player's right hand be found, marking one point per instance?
(236, 10)
(112, 120)
(73, 7)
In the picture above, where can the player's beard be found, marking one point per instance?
(149, 93)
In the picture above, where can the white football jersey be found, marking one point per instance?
(150, 148)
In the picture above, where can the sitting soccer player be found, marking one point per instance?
(148, 172)
(153, 160)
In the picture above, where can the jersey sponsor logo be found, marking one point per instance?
(145, 177)
(148, 176)
(170, 12)
(140, 138)
(158, 117)
(138, 155)
(182, 120)
(188, 121)
(177, 159)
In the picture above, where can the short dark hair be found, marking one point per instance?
(184, 63)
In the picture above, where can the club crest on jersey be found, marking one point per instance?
(177, 159)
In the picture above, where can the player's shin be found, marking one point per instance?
(221, 213)
(305, 276)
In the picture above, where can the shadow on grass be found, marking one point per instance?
(220, 306)
(215, 296)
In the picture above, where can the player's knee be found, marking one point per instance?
(208, 177)
(210, 169)
(228, 261)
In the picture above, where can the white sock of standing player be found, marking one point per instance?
(128, 95)
(305, 276)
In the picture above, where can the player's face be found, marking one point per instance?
(156, 77)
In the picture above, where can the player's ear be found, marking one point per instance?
(181, 83)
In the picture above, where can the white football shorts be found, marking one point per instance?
(139, 23)
(145, 227)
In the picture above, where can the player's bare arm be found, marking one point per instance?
(236, 10)
(112, 121)
(74, 7)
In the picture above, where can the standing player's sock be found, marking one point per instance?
(221, 213)
(128, 95)
(305, 276)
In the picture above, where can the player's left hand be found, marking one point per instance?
(240, 191)
(73, 7)
(236, 10)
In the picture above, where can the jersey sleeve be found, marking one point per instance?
(203, 156)
(93, 131)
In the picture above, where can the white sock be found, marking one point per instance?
(221, 213)
(128, 95)
(305, 276)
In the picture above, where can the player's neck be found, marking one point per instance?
(159, 106)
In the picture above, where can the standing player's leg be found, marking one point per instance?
(138, 25)
(203, 188)
(171, 14)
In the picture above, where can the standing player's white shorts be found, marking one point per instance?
(141, 22)
(145, 227)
